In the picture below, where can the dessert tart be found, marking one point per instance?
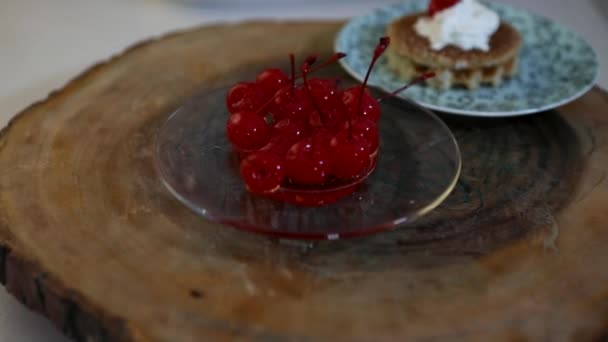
(463, 42)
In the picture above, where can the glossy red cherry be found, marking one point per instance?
(289, 104)
(277, 145)
(350, 155)
(244, 96)
(263, 172)
(369, 106)
(292, 130)
(271, 80)
(308, 162)
(247, 131)
(318, 129)
(439, 5)
(365, 129)
(315, 121)
(326, 92)
(331, 119)
(332, 113)
(322, 136)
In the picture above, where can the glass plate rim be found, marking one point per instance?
(307, 236)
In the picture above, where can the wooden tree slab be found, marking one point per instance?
(91, 239)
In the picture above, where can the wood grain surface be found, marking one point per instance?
(91, 239)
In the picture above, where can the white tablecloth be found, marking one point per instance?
(44, 43)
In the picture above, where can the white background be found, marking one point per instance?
(44, 43)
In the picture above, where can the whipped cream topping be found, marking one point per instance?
(467, 25)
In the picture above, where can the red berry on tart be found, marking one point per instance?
(304, 137)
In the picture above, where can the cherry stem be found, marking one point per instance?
(305, 69)
(331, 60)
(378, 51)
(416, 80)
(292, 60)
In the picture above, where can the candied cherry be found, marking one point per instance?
(244, 96)
(316, 130)
(331, 119)
(322, 136)
(366, 129)
(369, 106)
(440, 5)
(334, 112)
(326, 92)
(292, 130)
(308, 162)
(294, 102)
(290, 102)
(247, 130)
(271, 80)
(277, 145)
(314, 120)
(350, 155)
(263, 172)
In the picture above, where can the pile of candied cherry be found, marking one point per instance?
(311, 134)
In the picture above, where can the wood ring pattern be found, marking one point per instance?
(91, 238)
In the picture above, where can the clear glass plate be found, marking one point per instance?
(417, 167)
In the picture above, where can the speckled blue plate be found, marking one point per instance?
(556, 65)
